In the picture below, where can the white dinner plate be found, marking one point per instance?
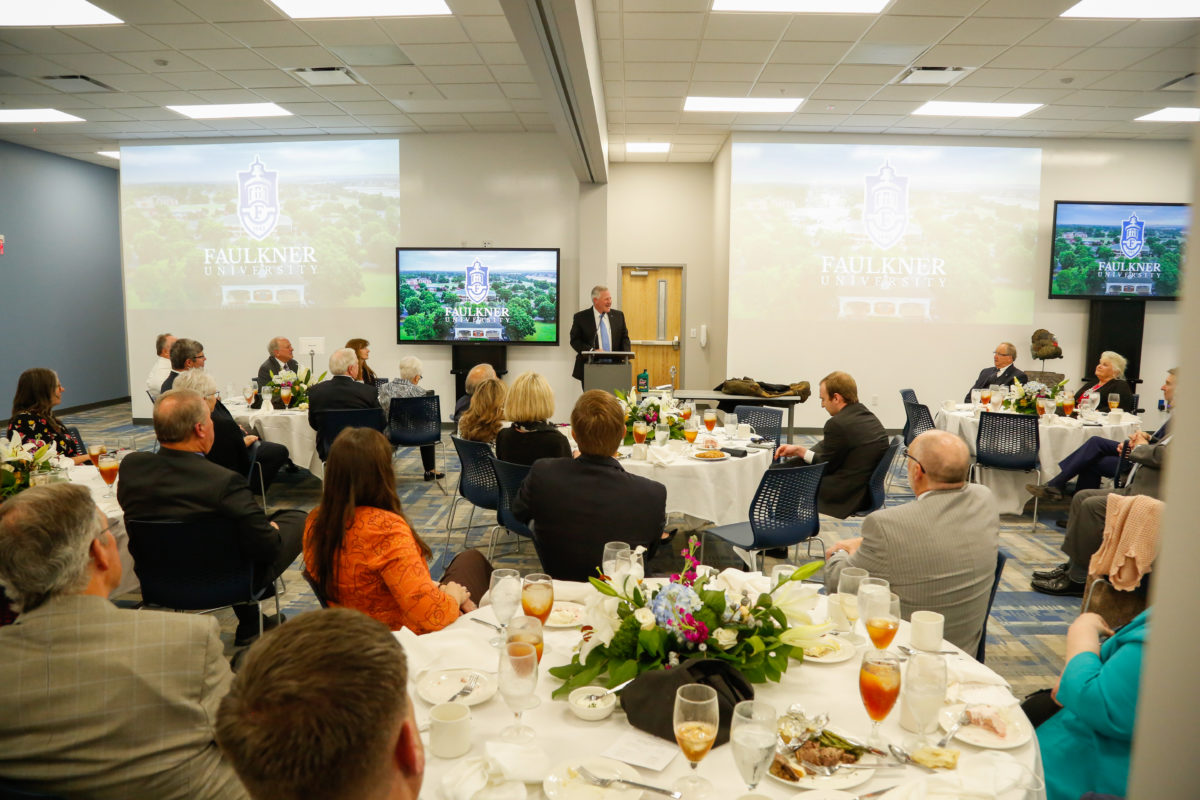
(565, 614)
(438, 685)
(842, 779)
(1019, 729)
(564, 783)
(723, 457)
(845, 652)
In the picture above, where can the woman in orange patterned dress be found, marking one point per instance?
(362, 553)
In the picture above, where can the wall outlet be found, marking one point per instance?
(874, 399)
(692, 333)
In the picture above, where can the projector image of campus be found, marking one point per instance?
(520, 306)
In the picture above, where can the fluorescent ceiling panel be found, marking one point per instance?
(647, 147)
(944, 108)
(59, 13)
(802, 6)
(37, 115)
(343, 9)
(1123, 9)
(744, 105)
(1173, 114)
(110, 153)
(231, 110)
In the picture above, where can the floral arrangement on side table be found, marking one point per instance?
(651, 410)
(19, 460)
(1022, 399)
(298, 381)
(627, 631)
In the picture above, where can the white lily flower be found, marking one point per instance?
(805, 635)
(601, 615)
(796, 600)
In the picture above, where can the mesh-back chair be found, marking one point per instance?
(74, 435)
(381, 382)
(256, 471)
(907, 396)
(1008, 442)
(919, 421)
(417, 421)
(193, 565)
(876, 491)
(782, 513)
(509, 477)
(476, 481)
(1137, 401)
(316, 589)
(767, 421)
(336, 420)
(1001, 557)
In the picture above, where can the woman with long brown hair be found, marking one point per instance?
(484, 418)
(362, 553)
(38, 392)
(362, 349)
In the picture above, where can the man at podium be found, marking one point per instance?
(598, 328)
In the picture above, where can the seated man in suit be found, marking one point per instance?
(937, 552)
(478, 374)
(579, 504)
(333, 683)
(100, 702)
(1098, 457)
(1003, 371)
(852, 444)
(598, 328)
(279, 358)
(185, 354)
(178, 483)
(342, 391)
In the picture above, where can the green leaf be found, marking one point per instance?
(780, 617)
(807, 570)
(756, 644)
(622, 672)
(651, 643)
(714, 601)
(637, 597)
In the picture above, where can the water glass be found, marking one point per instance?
(780, 573)
(847, 591)
(662, 432)
(731, 423)
(752, 736)
(505, 593)
(924, 693)
(976, 396)
(518, 674)
(608, 561)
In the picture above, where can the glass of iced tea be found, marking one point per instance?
(985, 397)
(108, 471)
(685, 411)
(1114, 401)
(248, 393)
(1069, 405)
(879, 686)
(640, 429)
(710, 419)
(525, 629)
(690, 431)
(537, 595)
(285, 395)
(695, 721)
(880, 612)
(94, 453)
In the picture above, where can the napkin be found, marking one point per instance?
(518, 762)
(972, 683)
(660, 456)
(735, 581)
(983, 775)
(455, 648)
(475, 779)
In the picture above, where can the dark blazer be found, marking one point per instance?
(264, 378)
(987, 377)
(525, 443)
(339, 392)
(852, 444)
(460, 407)
(585, 337)
(229, 445)
(176, 485)
(1115, 385)
(170, 381)
(579, 504)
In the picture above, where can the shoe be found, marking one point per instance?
(1062, 586)
(1050, 574)
(243, 638)
(434, 476)
(1044, 491)
(1060, 523)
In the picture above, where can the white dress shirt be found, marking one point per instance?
(158, 374)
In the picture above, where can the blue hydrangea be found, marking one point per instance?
(670, 599)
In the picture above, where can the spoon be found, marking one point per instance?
(908, 651)
(591, 698)
(903, 755)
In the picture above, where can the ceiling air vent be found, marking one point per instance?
(75, 84)
(326, 76)
(933, 76)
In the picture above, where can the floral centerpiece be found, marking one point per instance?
(628, 631)
(651, 409)
(19, 460)
(299, 383)
(1022, 398)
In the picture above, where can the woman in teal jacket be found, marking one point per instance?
(1085, 746)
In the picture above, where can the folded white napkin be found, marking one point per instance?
(574, 591)
(964, 669)
(978, 775)
(660, 456)
(454, 648)
(518, 762)
(735, 581)
(970, 682)
(475, 779)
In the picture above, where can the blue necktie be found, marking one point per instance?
(604, 343)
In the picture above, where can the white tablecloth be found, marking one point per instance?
(831, 688)
(1056, 441)
(89, 476)
(289, 428)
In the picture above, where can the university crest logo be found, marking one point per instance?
(258, 200)
(1133, 236)
(477, 282)
(885, 207)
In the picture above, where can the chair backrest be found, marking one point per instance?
(509, 477)
(415, 420)
(1121, 476)
(919, 421)
(876, 494)
(908, 396)
(252, 455)
(336, 420)
(1001, 557)
(316, 589)
(1007, 441)
(380, 382)
(1137, 401)
(477, 482)
(192, 564)
(767, 421)
(784, 509)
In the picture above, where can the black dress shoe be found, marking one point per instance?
(434, 476)
(1060, 523)
(1044, 491)
(241, 637)
(1062, 586)
(1050, 574)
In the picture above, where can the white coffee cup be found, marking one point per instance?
(1116, 417)
(948, 405)
(927, 630)
(837, 614)
(639, 452)
(449, 730)
(744, 431)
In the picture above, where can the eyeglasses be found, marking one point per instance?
(907, 454)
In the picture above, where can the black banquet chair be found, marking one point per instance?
(1009, 442)
(336, 420)
(509, 477)
(417, 422)
(876, 488)
(767, 421)
(476, 481)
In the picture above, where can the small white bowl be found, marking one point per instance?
(602, 708)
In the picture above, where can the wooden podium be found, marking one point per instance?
(607, 370)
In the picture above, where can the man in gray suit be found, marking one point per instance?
(937, 552)
(100, 702)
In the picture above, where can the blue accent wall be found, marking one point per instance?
(61, 304)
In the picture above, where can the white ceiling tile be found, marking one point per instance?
(665, 117)
(1033, 96)
(768, 27)
(649, 128)
(442, 54)
(491, 118)
(923, 123)
(1074, 79)
(475, 8)
(296, 57)
(958, 55)
(475, 73)
(1128, 80)
(148, 113)
(818, 119)
(613, 89)
(226, 96)
(1179, 60)
(1154, 33)
(31, 66)
(113, 38)
(707, 71)
(341, 32)
(854, 73)
(234, 10)
(971, 94)
(933, 8)
(828, 27)
(653, 104)
(1001, 78)
(661, 26)
(1033, 9)
(472, 91)
(500, 53)
(340, 94)
(262, 78)
(1075, 32)
(1089, 97)
(608, 25)
(150, 61)
(1025, 57)
(656, 88)
(992, 31)
(910, 93)
(267, 34)
(1107, 58)
(380, 120)
(488, 29)
(45, 41)
(1113, 114)
(792, 90)
(823, 53)
(900, 55)
(229, 58)
(136, 82)
(844, 91)
(364, 108)
(611, 50)
(649, 71)
(191, 36)
(670, 6)
(686, 127)
(720, 88)
(910, 30)
(437, 119)
(409, 92)
(659, 50)
(524, 91)
(129, 100)
(424, 30)
(297, 95)
(12, 86)
(386, 75)
(888, 107)
(511, 73)
(139, 12)
(86, 63)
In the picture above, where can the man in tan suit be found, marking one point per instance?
(937, 552)
(100, 702)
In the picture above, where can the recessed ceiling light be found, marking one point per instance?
(647, 147)
(231, 110)
(37, 115)
(110, 154)
(1123, 9)
(744, 105)
(802, 6)
(323, 9)
(1173, 114)
(944, 108)
(59, 13)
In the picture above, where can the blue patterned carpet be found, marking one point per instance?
(1026, 632)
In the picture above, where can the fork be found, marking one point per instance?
(827, 771)
(469, 687)
(963, 719)
(604, 783)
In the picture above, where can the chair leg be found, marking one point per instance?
(1038, 473)
(1087, 600)
(454, 504)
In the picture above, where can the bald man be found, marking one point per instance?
(937, 552)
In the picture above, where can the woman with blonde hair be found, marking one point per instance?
(1110, 374)
(484, 418)
(531, 436)
(362, 348)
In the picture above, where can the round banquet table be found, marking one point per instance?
(289, 428)
(1056, 441)
(89, 476)
(831, 688)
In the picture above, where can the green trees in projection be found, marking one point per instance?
(547, 310)
(519, 324)
(426, 317)
(339, 275)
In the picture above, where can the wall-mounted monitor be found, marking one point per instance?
(1116, 251)
(454, 295)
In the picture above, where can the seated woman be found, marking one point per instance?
(38, 392)
(1086, 742)
(1110, 380)
(406, 386)
(484, 418)
(230, 446)
(530, 405)
(362, 553)
(363, 348)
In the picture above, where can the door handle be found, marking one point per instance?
(657, 342)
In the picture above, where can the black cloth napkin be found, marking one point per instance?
(649, 702)
(736, 452)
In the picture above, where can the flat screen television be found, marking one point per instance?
(456, 295)
(1117, 251)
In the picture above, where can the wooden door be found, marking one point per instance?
(652, 300)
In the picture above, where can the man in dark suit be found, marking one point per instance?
(342, 391)
(579, 504)
(279, 358)
(1002, 373)
(185, 354)
(598, 328)
(852, 444)
(478, 374)
(178, 483)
